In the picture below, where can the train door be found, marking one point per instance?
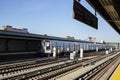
(63, 46)
(69, 47)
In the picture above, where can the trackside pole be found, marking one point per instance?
(54, 52)
(107, 51)
(96, 49)
(81, 53)
(72, 55)
(111, 49)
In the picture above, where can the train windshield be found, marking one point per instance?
(47, 44)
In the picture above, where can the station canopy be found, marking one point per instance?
(109, 10)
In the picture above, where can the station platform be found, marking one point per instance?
(116, 74)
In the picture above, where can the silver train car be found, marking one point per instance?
(66, 46)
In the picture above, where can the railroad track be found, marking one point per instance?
(47, 73)
(99, 71)
(54, 71)
(59, 69)
(101, 75)
(24, 66)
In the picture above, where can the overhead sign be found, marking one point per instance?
(83, 15)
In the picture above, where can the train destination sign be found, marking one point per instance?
(83, 15)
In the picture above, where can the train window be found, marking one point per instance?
(48, 47)
(47, 44)
(74, 46)
(52, 47)
(57, 45)
(69, 45)
(63, 45)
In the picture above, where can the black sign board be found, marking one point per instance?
(83, 15)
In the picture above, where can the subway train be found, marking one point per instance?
(67, 46)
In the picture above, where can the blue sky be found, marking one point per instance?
(52, 17)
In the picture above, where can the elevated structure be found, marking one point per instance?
(18, 42)
(109, 10)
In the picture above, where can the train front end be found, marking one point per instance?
(47, 46)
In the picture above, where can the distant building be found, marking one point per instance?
(10, 28)
(69, 37)
(91, 39)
